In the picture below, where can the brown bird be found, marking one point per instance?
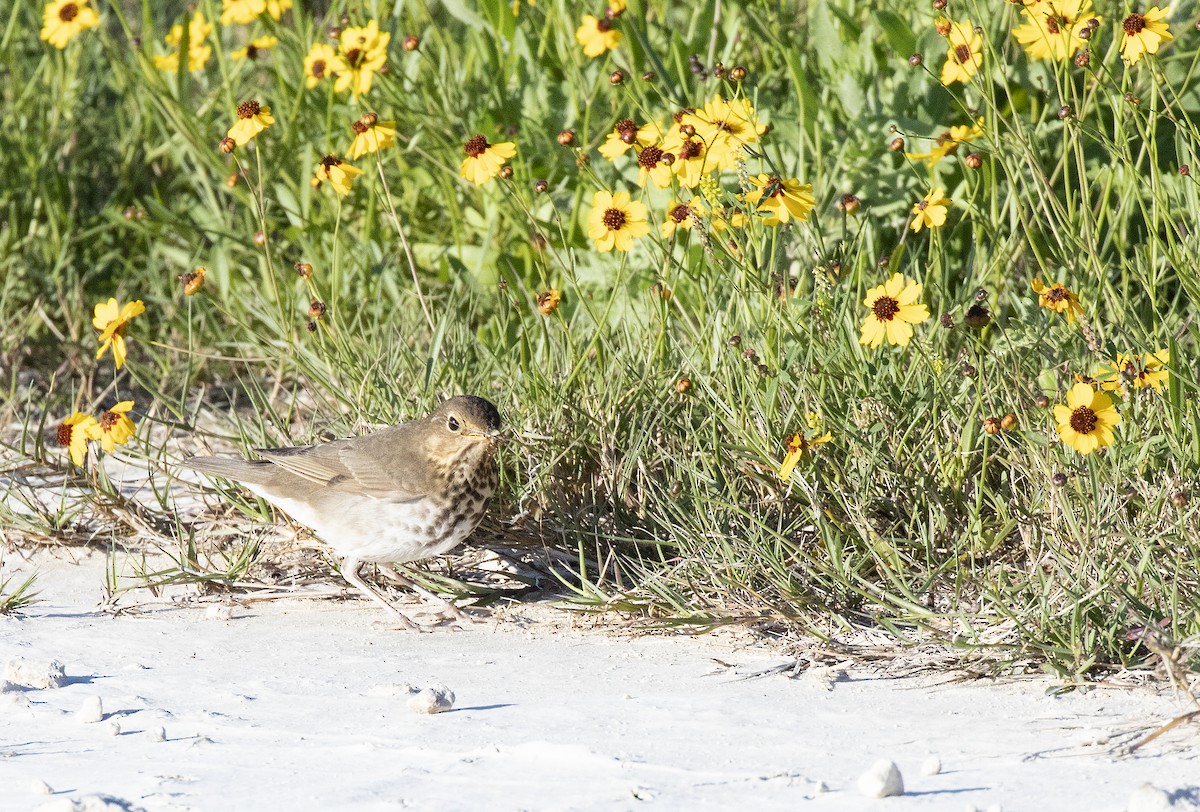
(400, 494)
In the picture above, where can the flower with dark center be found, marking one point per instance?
(597, 36)
(1087, 420)
(252, 119)
(894, 307)
(964, 54)
(1144, 33)
(484, 161)
(798, 447)
(1058, 298)
(63, 19)
(73, 434)
(616, 221)
(337, 172)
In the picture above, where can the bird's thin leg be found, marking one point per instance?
(454, 611)
(350, 573)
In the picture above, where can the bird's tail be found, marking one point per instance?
(251, 472)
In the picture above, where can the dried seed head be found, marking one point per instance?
(1185, 170)
(939, 5)
(192, 282)
(311, 327)
(248, 109)
(548, 301)
(1059, 479)
(683, 385)
(1008, 421)
(738, 73)
(735, 341)
(1082, 58)
(992, 425)
(849, 203)
(968, 370)
(947, 321)
(303, 270)
(616, 77)
(1042, 402)
(1179, 499)
(540, 186)
(506, 171)
(1064, 112)
(316, 309)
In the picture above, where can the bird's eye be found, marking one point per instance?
(452, 423)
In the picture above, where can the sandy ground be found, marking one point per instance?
(304, 705)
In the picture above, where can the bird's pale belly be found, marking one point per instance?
(369, 529)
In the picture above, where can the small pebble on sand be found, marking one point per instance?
(432, 700)
(219, 611)
(931, 766)
(882, 780)
(1149, 798)
(92, 710)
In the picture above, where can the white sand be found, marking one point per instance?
(302, 705)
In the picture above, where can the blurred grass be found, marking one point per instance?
(913, 518)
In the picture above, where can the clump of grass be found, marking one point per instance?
(898, 337)
(17, 595)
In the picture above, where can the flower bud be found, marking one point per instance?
(411, 43)
(566, 137)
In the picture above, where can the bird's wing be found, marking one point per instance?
(366, 465)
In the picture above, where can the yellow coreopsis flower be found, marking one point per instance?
(548, 301)
(597, 36)
(275, 8)
(112, 321)
(73, 434)
(364, 52)
(681, 216)
(783, 198)
(625, 135)
(340, 174)
(1054, 29)
(241, 11)
(1059, 298)
(946, 143)
(616, 221)
(1143, 33)
(256, 48)
(322, 61)
(199, 51)
(692, 160)
(114, 427)
(1087, 421)
(253, 118)
(799, 446)
(726, 126)
(484, 160)
(653, 166)
(894, 310)
(63, 19)
(371, 135)
(964, 55)
(1147, 371)
(930, 211)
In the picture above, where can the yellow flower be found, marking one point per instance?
(1086, 422)
(548, 301)
(484, 160)
(1052, 29)
(339, 174)
(681, 215)
(253, 118)
(1143, 34)
(241, 11)
(1059, 298)
(114, 427)
(964, 57)
(1136, 371)
(321, 61)
(112, 321)
(692, 161)
(930, 211)
(652, 166)
(616, 7)
(597, 36)
(797, 448)
(783, 198)
(516, 6)
(199, 30)
(894, 310)
(371, 135)
(948, 142)
(73, 434)
(63, 19)
(276, 8)
(364, 52)
(625, 134)
(726, 126)
(256, 49)
(616, 221)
